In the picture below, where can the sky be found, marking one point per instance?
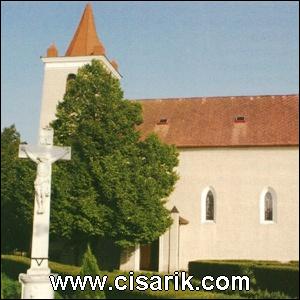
(164, 49)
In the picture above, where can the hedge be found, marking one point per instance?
(12, 266)
(272, 276)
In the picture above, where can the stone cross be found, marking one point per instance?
(36, 283)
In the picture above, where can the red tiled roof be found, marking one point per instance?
(210, 121)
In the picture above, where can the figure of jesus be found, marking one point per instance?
(44, 161)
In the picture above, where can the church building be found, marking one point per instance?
(238, 195)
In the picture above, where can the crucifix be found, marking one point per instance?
(36, 283)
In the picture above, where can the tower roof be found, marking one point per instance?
(85, 41)
(52, 51)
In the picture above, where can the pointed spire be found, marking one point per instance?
(52, 51)
(85, 41)
(174, 210)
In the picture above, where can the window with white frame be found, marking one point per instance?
(208, 205)
(268, 209)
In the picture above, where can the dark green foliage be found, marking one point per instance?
(17, 194)
(10, 289)
(277, 278)
(270, 276)
(13, 265)
(115, 185)
(89, 267)
(107, 254)
(89, 264)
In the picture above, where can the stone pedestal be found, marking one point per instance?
(36, 286)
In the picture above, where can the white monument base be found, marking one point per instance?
(36, 286)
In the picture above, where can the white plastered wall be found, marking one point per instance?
(238, 176)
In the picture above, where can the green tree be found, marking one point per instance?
(89, 264)
(17, 194)
(116, 184)
(89, 267)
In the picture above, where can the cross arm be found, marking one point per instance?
(53, 152)
(61, 153)
(24, 152)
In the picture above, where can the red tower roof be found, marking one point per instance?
(52, 51)
(85, 41)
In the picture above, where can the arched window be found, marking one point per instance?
(268, 206)
(71, 76)
(208, 205)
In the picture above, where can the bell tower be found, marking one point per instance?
(84, 47)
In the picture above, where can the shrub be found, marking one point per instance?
(15, 265)
(12, 265)
(10, 289)
(283, 279)
(89, 267)
(271, 276)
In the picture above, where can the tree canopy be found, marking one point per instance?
(116, 184)
(17, 194)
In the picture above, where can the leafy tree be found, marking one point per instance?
(116, 184)
(17, 193)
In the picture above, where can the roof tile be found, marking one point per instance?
(210, 121)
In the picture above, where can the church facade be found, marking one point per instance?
(238, 193)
